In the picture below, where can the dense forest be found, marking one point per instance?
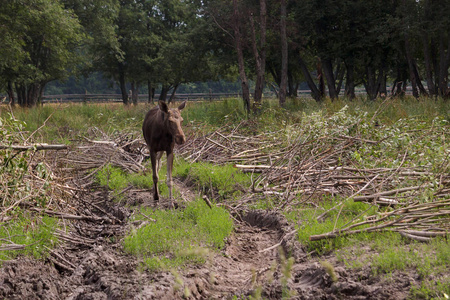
(332, 45)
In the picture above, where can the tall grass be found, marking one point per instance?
(65, 122)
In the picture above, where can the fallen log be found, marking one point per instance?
(34, 147)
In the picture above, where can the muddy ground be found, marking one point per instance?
(90, 264)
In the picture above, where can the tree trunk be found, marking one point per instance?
(444, 59)
(275, 75)
(422, 89)
(150, 92)
(383, 88)
(428, 66)
(369, 82)
(164, 90)
(434, 59)
(41, 92)
(331, 82)
(291, 85)
(260, 56)
(284, 54)
(340, 72)
(412, 76)
(134, 92)
(373, 82)
(350, 82)
(20, 94)
(240, 54)
(172, 96)
(381, 78)
(28, 95)
(10, 92)
(316, 94)
(123, 87)
(320, 78)
(295, 89)
(399, 82)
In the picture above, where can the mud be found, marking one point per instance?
(96, 268)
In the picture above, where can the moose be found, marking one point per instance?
(162, 129)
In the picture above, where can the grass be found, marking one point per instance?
(34, 232)
(225, 180)
(117, 180)
(114, 117)
(307, 223)
(179, 237)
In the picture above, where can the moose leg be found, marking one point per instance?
(154, 161)
(158, 160)
(169, 180)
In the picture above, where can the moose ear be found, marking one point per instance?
(163, 106)
(182, 105)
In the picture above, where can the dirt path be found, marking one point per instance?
(90, 264)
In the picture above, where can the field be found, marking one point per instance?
(337, 200)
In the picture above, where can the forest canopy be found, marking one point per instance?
(332, 45)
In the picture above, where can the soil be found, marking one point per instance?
(93, 266)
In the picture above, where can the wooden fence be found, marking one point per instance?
(99, 98)
(96, 98)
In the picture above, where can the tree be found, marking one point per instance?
(240, 55)
(42, 42)
(433, 34)
(284, 53)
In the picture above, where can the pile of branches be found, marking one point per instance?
(91, 155)
(56, 180)
(301, 168)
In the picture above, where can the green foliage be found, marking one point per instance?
(174, 239)
(34, 232)
(14, 168)
(45, 37)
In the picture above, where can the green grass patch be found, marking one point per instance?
(388, 252)
(226, 180)
(117, 180)
(427, 259)
(308, 224)
(174, 239)
(35, 232)
(438, 288)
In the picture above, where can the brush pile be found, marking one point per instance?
(53, 180)
(301, 164)
(404, 170)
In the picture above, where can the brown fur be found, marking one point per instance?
(162, 129)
